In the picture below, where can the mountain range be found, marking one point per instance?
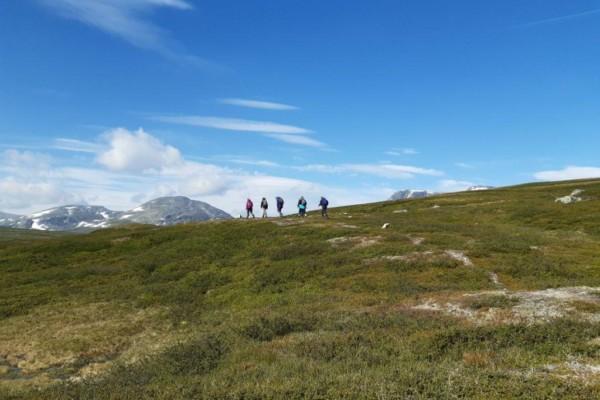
(161, 211)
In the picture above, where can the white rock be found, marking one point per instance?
(572, 198)
(459, 256)
(386, 225)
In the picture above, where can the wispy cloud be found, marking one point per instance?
(263, 105)
(75, 145)
(393, 171)
(464, 165)
(567, 173)
(128, 20)
(257, 163)
(407, 151)
(297, 139)
(559, 19)
(233, 124)
(284, 133)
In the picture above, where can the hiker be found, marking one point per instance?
(324, 203)
(302, 207)
(265, 206)
(279, 206)
(249, 209)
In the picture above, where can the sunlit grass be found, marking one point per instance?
(255, 310)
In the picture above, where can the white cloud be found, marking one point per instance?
(17, 194)
(126, 19)
(451, 185)
(263, 105)
(12, 159)
(25, 181)
(402, 152)
(393, 171)
(568, 173)
(134, 166)
(234, 124)
(137, 151)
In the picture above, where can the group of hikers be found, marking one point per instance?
(302, 207)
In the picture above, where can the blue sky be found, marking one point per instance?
(115, 102)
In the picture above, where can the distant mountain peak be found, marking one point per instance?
(171, 210)
(479, 187)
(411, 194)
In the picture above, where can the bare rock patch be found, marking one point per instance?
(574, 197)
(427, 255)
(460, 256)
(355, 241)
(417, 241)
(527, 307)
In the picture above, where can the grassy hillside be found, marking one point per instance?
(22, 234)
(451, 301)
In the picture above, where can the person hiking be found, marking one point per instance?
(302, 204)
(249, 209)
(265, 206)
(279, 205)
(324, 203)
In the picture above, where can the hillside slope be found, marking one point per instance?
(487, 294)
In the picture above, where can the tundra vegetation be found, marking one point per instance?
(490, 295)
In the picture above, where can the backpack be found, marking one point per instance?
(324, 202)
(279, 201)
(249, 205)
